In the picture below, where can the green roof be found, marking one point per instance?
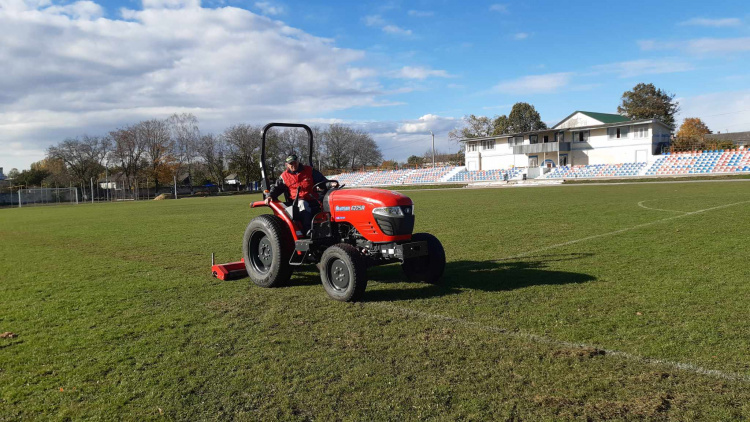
(605, 117)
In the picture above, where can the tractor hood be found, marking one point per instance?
(373, 197)
(358, 207)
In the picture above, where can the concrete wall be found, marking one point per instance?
(500, 157)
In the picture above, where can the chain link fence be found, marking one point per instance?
(21, 197)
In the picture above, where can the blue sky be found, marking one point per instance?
(396, 69)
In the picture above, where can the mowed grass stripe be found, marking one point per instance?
(118, 305)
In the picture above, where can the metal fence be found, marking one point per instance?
(19, 196)
(38, 196)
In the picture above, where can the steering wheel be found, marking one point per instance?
(318, 186)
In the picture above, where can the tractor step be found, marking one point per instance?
(301, 249)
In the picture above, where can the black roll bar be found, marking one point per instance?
(263, 146)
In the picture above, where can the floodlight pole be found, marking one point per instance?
(92, 190)
(175, 187)
(19, 198)
(433, 149)
(106, 179)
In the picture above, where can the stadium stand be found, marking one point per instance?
(485, 175)
(385, 178)
(695, 162)
(351, 179)
(596, 170)
(426, 175)
(702, 162)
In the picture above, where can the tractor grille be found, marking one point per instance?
(395, 226)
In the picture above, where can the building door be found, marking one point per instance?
(640, 156)
(533, 161)
(563, 160)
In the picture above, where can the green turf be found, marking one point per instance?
(117, 317)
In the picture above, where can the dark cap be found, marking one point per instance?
(291, 158)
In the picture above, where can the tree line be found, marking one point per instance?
(156, 151)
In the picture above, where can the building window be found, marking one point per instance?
(471, 146)
(581, 136)
(617, 132)
(488, 144)
(640, 131)
(533, 139)
(545, 139)
(517, 140)
(533, 161)
(560, 137)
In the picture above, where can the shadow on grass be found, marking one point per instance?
(488, 276)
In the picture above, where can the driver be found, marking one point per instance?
(305, 178)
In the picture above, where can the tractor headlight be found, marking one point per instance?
(389, 211)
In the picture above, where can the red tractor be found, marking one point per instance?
(355, 229)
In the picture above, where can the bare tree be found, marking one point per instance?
(213, 149)
(83, 157)
(364, 151)
(337, 139)
(185, 135)
(158, 145)
(130, 148)
(243, 150)
(350, 148)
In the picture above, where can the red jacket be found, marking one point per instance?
(302, 179)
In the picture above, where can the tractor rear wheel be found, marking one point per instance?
(343, 273)
(267, 247)
(428, 268)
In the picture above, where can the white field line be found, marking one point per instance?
(640, 204)
(627, 229)
(731, 376)
(689, 367)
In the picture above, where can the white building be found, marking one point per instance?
(580, 139)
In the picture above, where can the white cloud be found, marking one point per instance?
(393, 29)
(502, 8)
(421, 13)
(84, 10)
(427, 123)
(700, 46)
(377, 21)
(418, 72)
(718, 23)
(521, 35)
(644, 67)
(268, 8)
(374, 20)
(171, 4)
(535, 84)
(400, 139)
(91, 76)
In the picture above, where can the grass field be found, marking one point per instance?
(567, 302)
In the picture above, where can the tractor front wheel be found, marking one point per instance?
(267, 247)
(343, 273)
(428, 268)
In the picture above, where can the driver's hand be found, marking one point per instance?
(334, 184)
(268, 200)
